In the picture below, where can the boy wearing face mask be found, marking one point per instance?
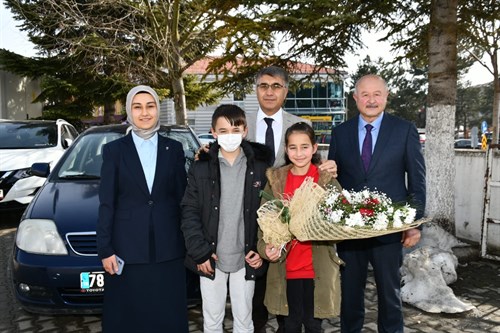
(219, 219)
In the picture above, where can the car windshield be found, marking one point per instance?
(20, 135)
(84, 160)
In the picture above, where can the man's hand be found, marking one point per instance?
(410, 237)
(329, 166)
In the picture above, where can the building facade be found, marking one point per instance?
(16, 97)
(321, 100)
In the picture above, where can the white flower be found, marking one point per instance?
(381, 222)
(410, 217)
(355, 220)
(359, 197)
(397, 223)
(347, 195)
(336, 216)
(330, 200)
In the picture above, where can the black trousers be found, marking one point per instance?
(386, 259)
(300, 295)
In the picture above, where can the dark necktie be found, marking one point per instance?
(366, 150)
(270, 137)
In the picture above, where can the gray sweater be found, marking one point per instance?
(231, 233)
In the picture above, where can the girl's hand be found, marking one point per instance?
(253, 259)
(272, 253)
(110, 265)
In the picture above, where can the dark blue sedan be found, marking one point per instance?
(55, 267)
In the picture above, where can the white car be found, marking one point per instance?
(22, 143)
(206, 138)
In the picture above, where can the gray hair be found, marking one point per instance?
(273, 71)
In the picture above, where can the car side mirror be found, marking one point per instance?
(66, 143)
(40, 169)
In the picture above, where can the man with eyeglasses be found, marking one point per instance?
(268, 126)
(271, 89)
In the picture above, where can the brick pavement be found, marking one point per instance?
(478, 283)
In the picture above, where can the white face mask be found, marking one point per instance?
(230, 142)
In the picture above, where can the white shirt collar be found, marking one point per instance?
(138, 141)
(278, 116)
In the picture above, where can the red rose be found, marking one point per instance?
(366, 211)
(371, 202)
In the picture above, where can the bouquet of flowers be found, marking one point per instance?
(273, 218)
(364, 209)
(315, 213)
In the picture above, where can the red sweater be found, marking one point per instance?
(299, 264)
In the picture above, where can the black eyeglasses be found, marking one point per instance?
(274, 86)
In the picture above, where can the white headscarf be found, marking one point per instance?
(142, 133)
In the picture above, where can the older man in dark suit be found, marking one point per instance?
(378, 151)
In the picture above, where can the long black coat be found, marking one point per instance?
(201, 202)
(128, 212)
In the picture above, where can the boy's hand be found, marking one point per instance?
(206, 267)
(253, 259)
(329, 166)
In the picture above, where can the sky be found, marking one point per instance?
(11, 38)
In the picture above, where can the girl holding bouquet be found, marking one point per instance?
(303, 282)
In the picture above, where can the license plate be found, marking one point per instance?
(92, 282)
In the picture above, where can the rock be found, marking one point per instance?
(435, 236)
(426, 273)
(428, 269)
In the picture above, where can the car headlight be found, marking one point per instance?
(21, 173)
(41, 237)
(10, 177)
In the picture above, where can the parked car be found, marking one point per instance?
(465, 144)
(421, 136)
(22, 143)
(206, 138)
(55, 267)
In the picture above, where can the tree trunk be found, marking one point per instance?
(109, 113)
(440, 123)
(179, 101)
(176, 74)
(496, 99)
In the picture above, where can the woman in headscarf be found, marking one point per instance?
(142, 183)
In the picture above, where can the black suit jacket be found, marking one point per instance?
(397, 156)
(129, 216)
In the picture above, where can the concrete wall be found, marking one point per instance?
(16, 96)
(470, 193)
(200, 120)
(469, 196)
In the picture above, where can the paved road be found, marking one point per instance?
(478, 283)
